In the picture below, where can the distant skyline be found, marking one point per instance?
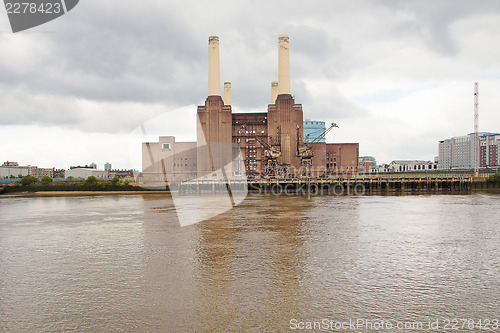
(397, 76)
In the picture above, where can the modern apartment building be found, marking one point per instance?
(457, 153)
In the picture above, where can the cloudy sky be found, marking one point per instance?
(397, 76)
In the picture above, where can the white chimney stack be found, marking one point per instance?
(213, 66)
(284, 66)
(227, 93)
(274, 91)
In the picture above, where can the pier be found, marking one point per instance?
(355, 185)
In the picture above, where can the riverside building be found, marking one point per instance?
(222, 133)
(456, 153)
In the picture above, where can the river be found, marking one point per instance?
(274, 263)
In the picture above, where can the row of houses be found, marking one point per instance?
(14, 170)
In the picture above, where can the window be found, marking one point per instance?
(165, 146)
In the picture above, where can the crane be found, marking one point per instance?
(476, 130)
(322, 135)
(271, 155)
(304, 150)
(269, 152)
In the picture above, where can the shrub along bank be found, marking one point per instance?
(31, 184)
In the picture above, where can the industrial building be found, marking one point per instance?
(268, 139)
(457, 153)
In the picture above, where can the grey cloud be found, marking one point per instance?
(315, 53)
(156, 52)
(22, 108)
(333, 106)
(431, 20)
(116, 53)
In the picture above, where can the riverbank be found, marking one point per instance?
(85, 193)
(78, 188)
(311, 187)
(252, 193)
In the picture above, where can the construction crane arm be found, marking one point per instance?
(322, 135)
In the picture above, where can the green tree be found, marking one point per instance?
(46, 180)
(115, 180)
(28, 180)
(91, 180)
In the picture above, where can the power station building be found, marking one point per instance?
(223, 135)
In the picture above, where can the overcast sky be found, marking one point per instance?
(397, 76)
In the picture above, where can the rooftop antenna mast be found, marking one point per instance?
(476, 129)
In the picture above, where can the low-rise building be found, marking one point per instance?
(123, 173)
(13, 169)
(10, 163)
(45, 172)
(412, 166)
(59, 173)
(33, 170)
(84, 173)
(9, 171)
(367, 164)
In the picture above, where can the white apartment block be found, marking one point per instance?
(458, 152)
